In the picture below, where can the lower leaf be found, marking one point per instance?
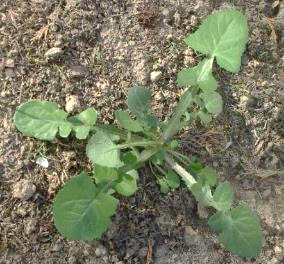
(81, 210)
(240, 230)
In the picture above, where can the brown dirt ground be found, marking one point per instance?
(118, 44)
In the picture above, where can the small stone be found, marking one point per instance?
(72, 103)
(24, 190)
(165, 12)
(58, 43)
(77, 71)
(155, 76)
(53, 53)
(10, 63)
(30, 226)
(277, 250)
(177, 18)
(98, 252)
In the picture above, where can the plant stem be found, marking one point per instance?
(159, 168)
(186, 176)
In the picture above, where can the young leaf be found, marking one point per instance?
(223, 196)
(172, 179)
(138, 101)
(200, 75)
(102, 151)
(41, 119)
(204, 117)
(81, 211)
(174, 123)
(164, 187)
(126, 122)
(240, 230)
(105, 174)
(207, 176)
(213, 102)
(222, 35)
(88, 117)
(129, 158)
(82, 122)
(195, 167)
(128, 185)
(159, 157)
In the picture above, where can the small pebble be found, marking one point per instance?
(53, 52)
(24, 189)
(277, 250)
(155, 76)
(77, 71)
(30, 226)
(72, 103)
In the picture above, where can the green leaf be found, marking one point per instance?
(81, 211)
(65, 130)
(200, 75)
(195, 167)
(223, 196)
(102, 151)
(138, 101)
(83, 122)
(105, 174)
(88, 117)
(129, 158)
(164, 187)
(41, 119)
(240, 230)
(204, 117)
(128, 185)
(222, 35)
(126, 122)
(159, 157)
(172, 179)
(213, 102)
(207, 176)
(174, 124)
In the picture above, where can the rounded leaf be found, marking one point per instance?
(81, 211)
(41, 119)
(222, 35)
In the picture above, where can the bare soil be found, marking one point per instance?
(82, 53)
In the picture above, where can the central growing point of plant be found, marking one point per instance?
(84, 206)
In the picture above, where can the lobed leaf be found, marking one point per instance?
(204, 117)
(213, 102)
(138, 101)
(126, 122)
(222, 35)
(174, 123)
(240, 230)
(81, 210)
(128, 184)
(200, 75)
(102, 151)
(81, 123)
(207, 176)
(42, 120)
